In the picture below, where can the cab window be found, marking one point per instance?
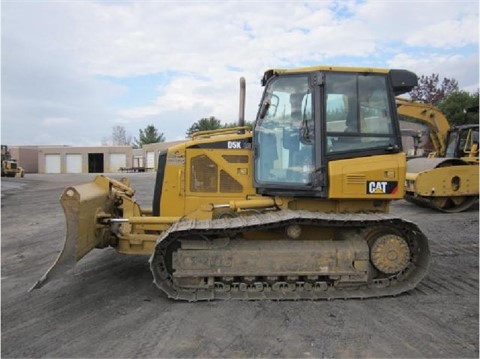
(285, 133)
(358, 114)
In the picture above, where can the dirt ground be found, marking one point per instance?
(109, 308)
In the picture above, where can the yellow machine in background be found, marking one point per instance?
(10, 167)
(297, 208)
(423, 123)
(445, 179)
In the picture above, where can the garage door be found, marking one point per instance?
(73, 162)
(151, 159)
(117, 160)
(138, 162)
(52, 163)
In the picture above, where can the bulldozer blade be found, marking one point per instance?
(84, 206)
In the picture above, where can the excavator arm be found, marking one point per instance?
(427, 115)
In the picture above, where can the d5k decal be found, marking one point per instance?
(382, 187)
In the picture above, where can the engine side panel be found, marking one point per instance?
(375, 177)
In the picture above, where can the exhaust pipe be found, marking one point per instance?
(241, 115)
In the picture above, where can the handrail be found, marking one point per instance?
(218, 132)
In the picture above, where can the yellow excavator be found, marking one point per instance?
(296, 208)
(447, 179)
(426, 125)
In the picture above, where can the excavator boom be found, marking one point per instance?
(413, 113)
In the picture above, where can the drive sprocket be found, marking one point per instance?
(390, 254)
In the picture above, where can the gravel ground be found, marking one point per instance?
(109, 307)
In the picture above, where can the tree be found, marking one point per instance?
(429, 90)
(454, 105)
(119, 137)
(149, 135)
(205, 124)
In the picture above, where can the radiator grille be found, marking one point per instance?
(353, 179)
(228, 184)
(204, 175)
(235, 159)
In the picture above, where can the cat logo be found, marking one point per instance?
(382, 187)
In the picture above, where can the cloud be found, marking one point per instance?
(464, 69)
(56, 122)
(448, 34)
(87, 61)
(421, 23)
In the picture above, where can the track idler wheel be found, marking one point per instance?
(390, 254)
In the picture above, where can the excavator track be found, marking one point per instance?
(359, 230)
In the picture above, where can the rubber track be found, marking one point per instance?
(390, 286)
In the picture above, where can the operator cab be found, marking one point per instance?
(312, 116)
(462, 141)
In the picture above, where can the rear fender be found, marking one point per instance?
(87, 208)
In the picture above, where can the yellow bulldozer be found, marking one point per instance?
(445, 176)
(296, 208)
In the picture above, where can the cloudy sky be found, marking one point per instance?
(71, 70)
